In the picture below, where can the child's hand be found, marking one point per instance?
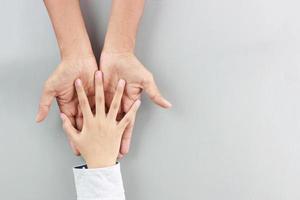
(100, 138)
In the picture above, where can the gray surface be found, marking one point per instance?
(231, 69)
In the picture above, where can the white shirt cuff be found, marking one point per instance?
(99, 184)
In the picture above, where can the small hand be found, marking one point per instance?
(61, 85)
(100, 138)
(126, 66)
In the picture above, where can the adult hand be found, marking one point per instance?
(126, 66)
(61, 85)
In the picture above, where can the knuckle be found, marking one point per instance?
(154, 96)
(99, 99)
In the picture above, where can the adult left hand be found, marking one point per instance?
(126, 66)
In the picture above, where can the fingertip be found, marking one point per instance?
(138, 103)
(122, 82)
(124, 149)
(78, 82)
(164, 103)
(40, 116)
(98, 74)
(168, 104)
(120, 156)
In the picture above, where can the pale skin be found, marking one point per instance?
(100, 138)
(78, 61)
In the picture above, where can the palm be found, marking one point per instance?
(116, 66)
(125, 67)
(61, 85)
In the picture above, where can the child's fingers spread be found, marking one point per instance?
(115, 105)
(130, 115)
(83, 100)
(99, 97)
(68, 127)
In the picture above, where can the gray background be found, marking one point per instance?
(231, 70)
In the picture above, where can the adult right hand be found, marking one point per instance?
(60, 85)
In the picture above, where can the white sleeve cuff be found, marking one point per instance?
(99, 184)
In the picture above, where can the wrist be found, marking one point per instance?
(108, 56)
(75, 51)
(118, 44)
(100, 163)
(84, 59)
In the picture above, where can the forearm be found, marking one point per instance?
(123, 26)
(68, 24)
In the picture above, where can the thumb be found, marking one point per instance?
(45, 104)
(154, 94)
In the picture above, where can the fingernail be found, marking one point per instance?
(121, 82)
(78, 82)
(98, 74)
